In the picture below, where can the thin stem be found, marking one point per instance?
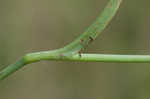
(12, 68)
(80, 58)
(110, 58)
(92, 58)
(70, 51)
(95, 29)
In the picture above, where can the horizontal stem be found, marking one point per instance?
(110, 58)
(35, 57)
(31, 58)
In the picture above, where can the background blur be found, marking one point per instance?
(37, 25)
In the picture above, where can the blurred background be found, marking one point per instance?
(37, 25)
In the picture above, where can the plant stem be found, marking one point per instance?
(72, 51)
(12, 68)
(91, 58)
(110, 58)
(83, 58)
(95, 29)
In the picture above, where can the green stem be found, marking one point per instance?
(85, 38)
(12, 68)
(110, 58)
(91, 58)
(83, 58)
(73, 50)
(95, 29)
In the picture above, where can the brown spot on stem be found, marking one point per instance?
(91, 39)
(81, 41)
(80, 53)
(61, 55)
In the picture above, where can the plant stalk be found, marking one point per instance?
(72, 51)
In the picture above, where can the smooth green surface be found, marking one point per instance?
(110, 58)
(95, 29)
(73, 50)
(12, 68)
(96, 58)
(82, 41)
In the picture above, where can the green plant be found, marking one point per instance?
(72, 52)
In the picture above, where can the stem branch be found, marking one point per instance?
(72, 51)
